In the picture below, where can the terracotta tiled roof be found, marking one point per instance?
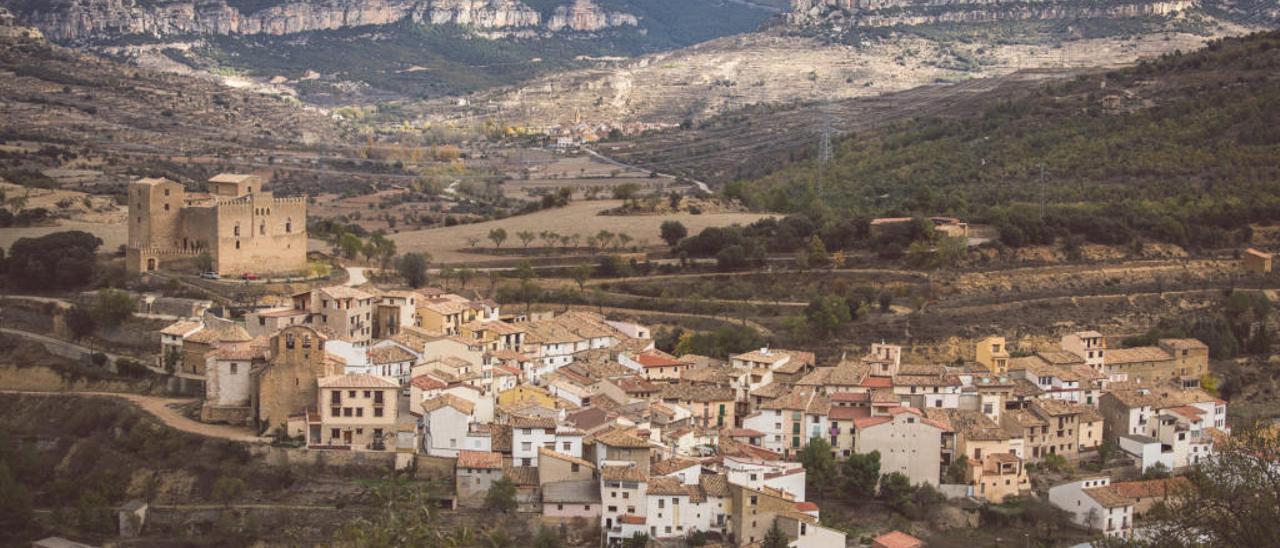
(389, 354)
(806, 506)
(684, 391)
(449, 400)
(622, 473)
(631, 519)
(1120, 356)
(357, 380)
(665, 485)
(672, 465)
(658, 358)
(533, 422)
(1152, 488)
(500, 437)
(1108, 497)
(479, 459)
(846, 374)
(521, 475)
(801, 400)
(897, 539)
(543, 452)
(181, 328)
(619, 438)
(741, 433)
(426, 383)
(714, 485)
(848, 413)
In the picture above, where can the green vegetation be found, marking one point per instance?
(501, 496)
(1181, 149)
(62, 260)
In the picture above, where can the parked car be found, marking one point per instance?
(249, 276)
(210, 276)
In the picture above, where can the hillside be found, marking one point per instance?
(349, 51)
(1180, 149)
(91, 123)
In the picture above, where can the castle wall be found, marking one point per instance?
(155, 213)
(261, 234)
(255, 232)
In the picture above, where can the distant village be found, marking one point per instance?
(589, 420)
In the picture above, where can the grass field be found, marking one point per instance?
(449, 244)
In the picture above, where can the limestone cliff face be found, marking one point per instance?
(885, 13)
(584, 15)
(82, 20)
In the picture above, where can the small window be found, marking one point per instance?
(234, 368)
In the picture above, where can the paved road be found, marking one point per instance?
(160, 408)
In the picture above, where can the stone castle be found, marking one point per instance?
(243, 228)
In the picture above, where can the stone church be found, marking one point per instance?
(243, 228)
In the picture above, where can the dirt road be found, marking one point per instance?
(160, 408)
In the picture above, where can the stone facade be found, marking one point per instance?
(288, 384)
(243, 228)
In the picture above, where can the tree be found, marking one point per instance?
(886, 302)
(501, 496)
(526, 237)
(624, 239)
(895, 489)
(472, 241)
(958, 470)
(581, 273)
(775, 538)
(446, 273)
(817, 252)
(819, 463)
(79, 322)
(413, 268)
(825, 315)
(1231, 499)
(497, 236)
(62, 260)
(227, 489)
(112, 306)
(204, 262)
(861, 472)
(637, 540)
(93, 514)
(672, 232)
(349, 245)
(406, 517)
(384, 249)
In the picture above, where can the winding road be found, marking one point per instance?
(162, 409)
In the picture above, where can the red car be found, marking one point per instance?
(249, 276)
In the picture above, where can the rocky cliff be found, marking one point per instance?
(887, 13)
(84, 20)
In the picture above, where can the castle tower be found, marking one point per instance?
(155, 222)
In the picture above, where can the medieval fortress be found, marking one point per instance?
(243, 228)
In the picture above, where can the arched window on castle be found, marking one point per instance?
(262, 228)
(288, 340)
(237, 233)
(288, 225)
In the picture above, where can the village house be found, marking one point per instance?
(287, 387)
(789, 422)
(475, 472)
(711, 406)
(445, 425)
(909, 443)
(623, 489)
(1095, 505)
(356, 411)
(345, 311)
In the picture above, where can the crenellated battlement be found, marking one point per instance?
(242, 230)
